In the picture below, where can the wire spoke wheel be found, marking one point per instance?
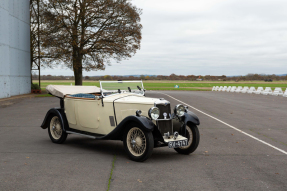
(192, 134)
(56, 128)
(136, 141)
(189, 136)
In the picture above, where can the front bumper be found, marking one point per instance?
(179, 138)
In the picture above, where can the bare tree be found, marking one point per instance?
(88, 34)
(35, 36)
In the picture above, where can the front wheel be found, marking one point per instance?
(55, 130)
(192, 134)
(138, 143)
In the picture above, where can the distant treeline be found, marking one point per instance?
(170, 77)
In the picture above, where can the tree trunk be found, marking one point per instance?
(78, 72)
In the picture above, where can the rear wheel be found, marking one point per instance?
(138, 143)
(192, 134)
(55, 130)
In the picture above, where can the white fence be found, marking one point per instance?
(245, 89)
(267, 91)
(233, 89)
(278, 92)
(252, 90)
(238, 89)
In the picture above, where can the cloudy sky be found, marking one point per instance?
(206, 37)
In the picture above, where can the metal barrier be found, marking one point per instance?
(267, 91)
(277, 92)
(228, 89)
(239, 88)
(233, 89)
(220, 88)
(245, 89)
(251, 90)
(224, 88)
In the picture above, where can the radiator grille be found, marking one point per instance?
(164, 109)
(164, 126)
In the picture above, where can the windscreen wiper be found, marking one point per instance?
(129, 89)
(139, 88)
(119, 91)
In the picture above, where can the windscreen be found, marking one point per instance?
(114, 87)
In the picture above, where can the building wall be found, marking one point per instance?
(15, 69)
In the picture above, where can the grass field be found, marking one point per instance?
(183, 85)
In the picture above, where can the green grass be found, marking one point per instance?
(85, 83)
(44, 95)
(183, 85)
(179, 89)
(111, 173)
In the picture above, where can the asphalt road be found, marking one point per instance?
(226, 158)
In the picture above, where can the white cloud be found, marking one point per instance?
(205, 37)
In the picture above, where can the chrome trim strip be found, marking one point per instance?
(163, 119)
(81, 134)
(161, 102)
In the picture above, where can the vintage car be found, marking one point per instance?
(119, 110)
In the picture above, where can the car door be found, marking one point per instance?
(87, 114)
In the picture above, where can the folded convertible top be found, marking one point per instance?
(61, 90)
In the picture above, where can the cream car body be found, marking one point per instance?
(121, 111)
(91, 116)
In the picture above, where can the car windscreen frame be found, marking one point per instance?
(114, 92)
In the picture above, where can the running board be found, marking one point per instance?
(71, 132)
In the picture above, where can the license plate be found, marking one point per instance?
(176, 144)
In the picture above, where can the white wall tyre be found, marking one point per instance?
(138, 143)
(192, 134)
(55, 130)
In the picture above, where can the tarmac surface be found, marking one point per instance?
(243, 146)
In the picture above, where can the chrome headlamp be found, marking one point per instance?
(138, 113)
(179, 110)
(153, 113)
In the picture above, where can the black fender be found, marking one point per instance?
(179, 124)
(60, 113)
(191, 117)
(144, 122)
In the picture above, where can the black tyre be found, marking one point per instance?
(55, 130)
(192, 134)
(138, 143)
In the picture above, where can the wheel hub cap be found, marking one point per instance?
(55, 127)
(133, 142)
(139, 141)
(136, 141)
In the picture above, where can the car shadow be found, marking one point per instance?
(111, 147)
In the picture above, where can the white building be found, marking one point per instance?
(15, 69)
